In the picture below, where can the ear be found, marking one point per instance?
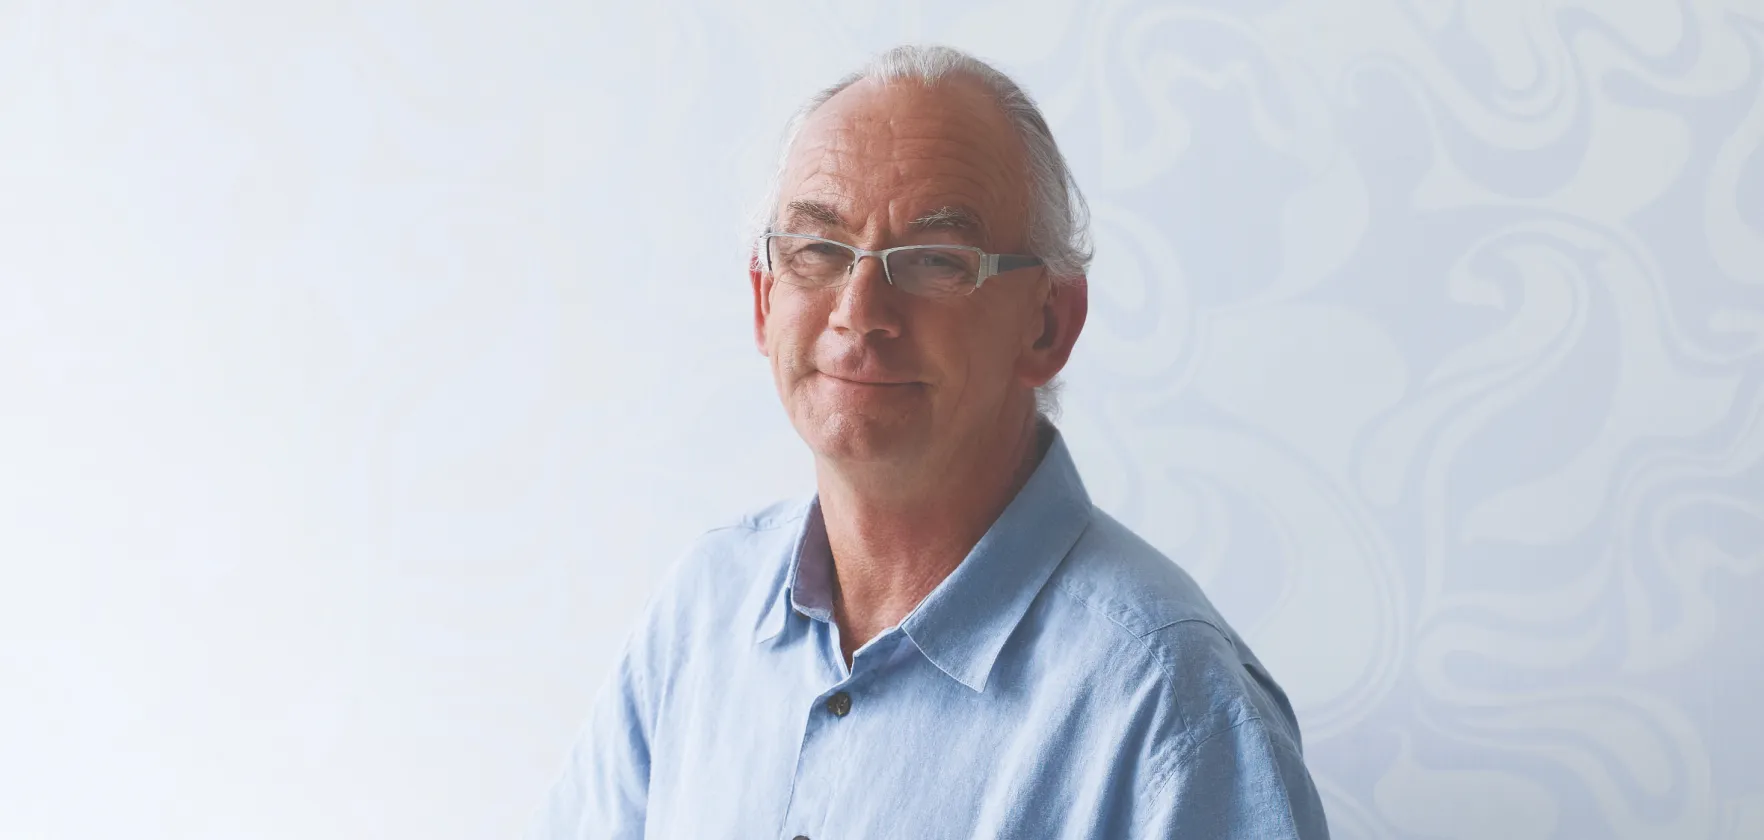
(1062, 319)
(762, 299)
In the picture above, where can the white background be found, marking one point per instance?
(363, 364)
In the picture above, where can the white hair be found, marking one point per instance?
(1059, 218)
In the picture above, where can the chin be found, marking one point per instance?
(850, 436)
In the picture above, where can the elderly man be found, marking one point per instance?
(947, 640)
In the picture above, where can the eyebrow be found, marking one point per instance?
(803, 210)
(959, 219)
(952, 218)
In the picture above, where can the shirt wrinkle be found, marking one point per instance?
(1155, 786)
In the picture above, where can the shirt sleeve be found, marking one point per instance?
(1239, 782)
(603, 791)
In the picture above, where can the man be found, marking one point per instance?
(947, 640)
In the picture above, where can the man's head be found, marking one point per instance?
(925, 146)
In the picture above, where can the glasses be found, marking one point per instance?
(929, 270)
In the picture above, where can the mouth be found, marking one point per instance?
(872, 383)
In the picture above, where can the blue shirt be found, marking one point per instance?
(1065, 681)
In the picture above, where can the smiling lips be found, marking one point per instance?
(876, 382)
(862, 369)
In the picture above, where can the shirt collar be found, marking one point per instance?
(964, 623)
(808, 576)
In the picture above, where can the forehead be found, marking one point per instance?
(883, 154)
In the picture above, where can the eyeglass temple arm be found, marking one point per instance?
(1000, 263)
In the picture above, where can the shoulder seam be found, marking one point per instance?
(1091, 608)
(1208, 622)
(1144, 644)
(1141, 635)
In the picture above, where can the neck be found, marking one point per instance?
(891, 548)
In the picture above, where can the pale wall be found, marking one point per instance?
(363, 364)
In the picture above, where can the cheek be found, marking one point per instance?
(791, 328)
(975, 352)
(994, 342)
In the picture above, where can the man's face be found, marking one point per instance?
(866, 371)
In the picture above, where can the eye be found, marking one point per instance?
(809, 254)
(935, 259)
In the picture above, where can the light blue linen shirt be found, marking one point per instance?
(1065, 681)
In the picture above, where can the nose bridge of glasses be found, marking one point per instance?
(857, 257)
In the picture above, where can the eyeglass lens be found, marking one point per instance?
(921, 270)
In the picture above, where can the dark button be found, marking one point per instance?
(839, 704)
(800, 837)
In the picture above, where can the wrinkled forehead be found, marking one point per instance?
(884, 156)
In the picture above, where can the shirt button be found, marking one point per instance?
(839, 704)
(800, 837)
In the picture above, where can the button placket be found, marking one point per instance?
(819, 771)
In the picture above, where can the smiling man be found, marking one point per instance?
(947, 640)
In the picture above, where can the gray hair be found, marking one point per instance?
(1059, 218)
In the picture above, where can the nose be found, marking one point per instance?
(868, 305)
